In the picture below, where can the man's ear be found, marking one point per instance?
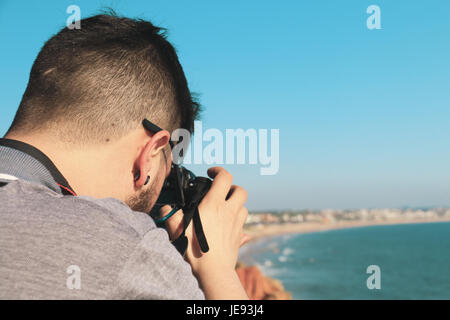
(159, 141)
(151, 149)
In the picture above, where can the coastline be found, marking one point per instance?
(259, 232)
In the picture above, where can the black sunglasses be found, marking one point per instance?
(150, 126)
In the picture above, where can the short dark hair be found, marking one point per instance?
(99, 82)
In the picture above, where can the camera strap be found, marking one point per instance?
(191, 213)
(41, 158)
(181, 242)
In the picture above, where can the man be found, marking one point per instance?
(79, 172)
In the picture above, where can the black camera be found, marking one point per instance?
(183, 190)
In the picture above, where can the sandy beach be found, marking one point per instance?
(267, 230)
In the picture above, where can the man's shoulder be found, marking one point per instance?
(21, 197)
(120, 252)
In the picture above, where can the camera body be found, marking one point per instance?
(183, 190)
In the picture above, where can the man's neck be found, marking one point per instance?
(93, 171)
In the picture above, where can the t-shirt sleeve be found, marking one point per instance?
(155, 270)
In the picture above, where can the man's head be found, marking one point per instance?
(88, 92)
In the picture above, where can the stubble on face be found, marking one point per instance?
(145, 199)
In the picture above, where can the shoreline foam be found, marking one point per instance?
(271, 230)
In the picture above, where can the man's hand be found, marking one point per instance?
(223, 215)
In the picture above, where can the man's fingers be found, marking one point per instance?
(245, 238)
(221, 183)
(237, 196)
(243, 214)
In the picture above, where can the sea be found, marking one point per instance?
(405, 261)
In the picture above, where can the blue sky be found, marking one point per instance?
(364, 115)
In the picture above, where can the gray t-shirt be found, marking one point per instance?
(63, 247)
